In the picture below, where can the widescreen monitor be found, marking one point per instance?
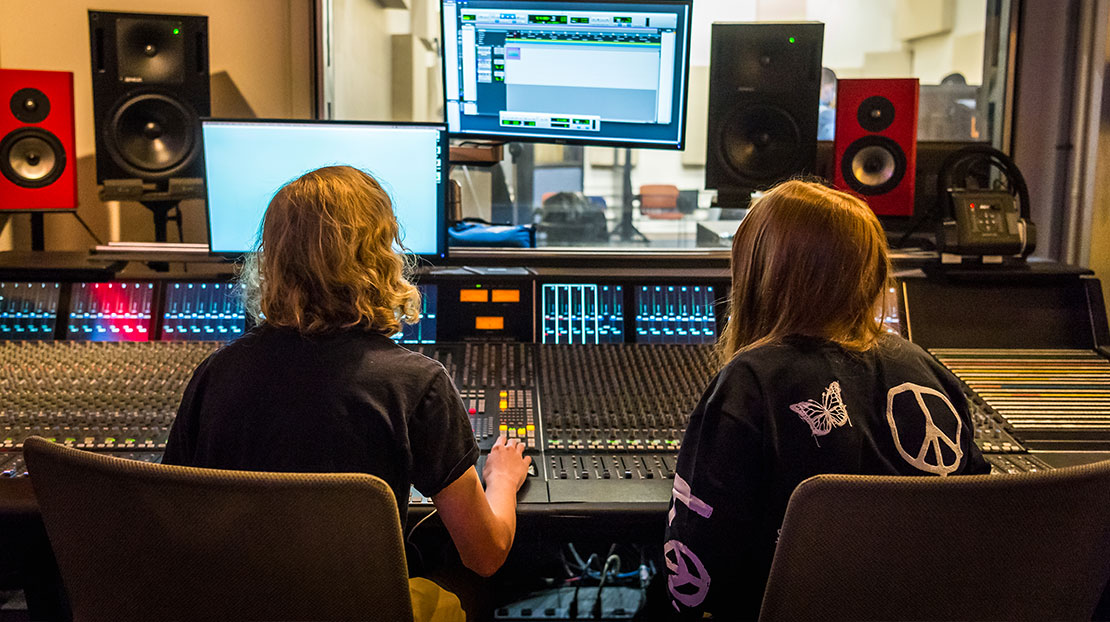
(606, 73)
(246, 161)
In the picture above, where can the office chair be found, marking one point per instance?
(137, 541)
(1031, 546)
(659, 201)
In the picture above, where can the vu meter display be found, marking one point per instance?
(202, 312)
(28, 310)
(110, 311)
(675, 314)
(576, 314)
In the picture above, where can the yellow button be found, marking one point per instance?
(503, 427)
(504, 394)
(520, 431)
(531, 427)
(504, 404)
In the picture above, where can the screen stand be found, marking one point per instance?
(626, 230)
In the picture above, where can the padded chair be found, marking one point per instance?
(1031, 546)
(659, 201)
(137, 541)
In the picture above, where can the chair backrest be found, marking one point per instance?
(1032, 546)
(137, 541)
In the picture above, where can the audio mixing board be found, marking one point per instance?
(600, 397)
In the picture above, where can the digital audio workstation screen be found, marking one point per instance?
(202, 312)
(578, 314)
(110, 311)
(28, 310)
(582, 71)
(247, 161)
(675, 314)
(423, 331)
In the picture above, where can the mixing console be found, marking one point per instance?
(620, 397)
(1044, 396)
(496, 381)
(94, 395)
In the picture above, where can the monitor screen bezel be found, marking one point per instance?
(527, 138)
(439, 257)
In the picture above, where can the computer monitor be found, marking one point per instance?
(246, 161)
(605, 73)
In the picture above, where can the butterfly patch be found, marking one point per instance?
(825, 415)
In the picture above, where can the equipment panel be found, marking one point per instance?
(675, 314)
(110, 311)
(202, 312)
(28, 310)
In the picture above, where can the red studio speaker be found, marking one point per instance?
(875, 143)
(37, 161)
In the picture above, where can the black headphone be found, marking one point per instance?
(961, 160)
(962, 234)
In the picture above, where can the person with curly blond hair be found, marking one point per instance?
(318, 385)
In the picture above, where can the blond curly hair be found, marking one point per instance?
(325, 258)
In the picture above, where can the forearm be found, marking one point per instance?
(502, 502)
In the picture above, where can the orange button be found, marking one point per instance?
(506, 295)
(495, 322)
(474, 295)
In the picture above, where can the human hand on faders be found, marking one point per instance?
(506, 463)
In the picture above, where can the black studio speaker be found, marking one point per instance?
(764, 84)
(150, 89)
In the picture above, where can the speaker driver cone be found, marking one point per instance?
(152, 134)
(761, 144)
(873, 165)
(32, 158)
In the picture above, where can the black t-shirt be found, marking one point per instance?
(343, 402)
(779, 414)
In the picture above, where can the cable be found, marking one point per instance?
(87, 228)
(573, 610)
(419, 523)
(613, 561)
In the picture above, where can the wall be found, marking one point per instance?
(1100, 220)
(361, 53)
(260, 61)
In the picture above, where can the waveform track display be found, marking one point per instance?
(423, 331)
(675, 314)
(110, 311)
(28, 310)
(583, 314)
(202, 312)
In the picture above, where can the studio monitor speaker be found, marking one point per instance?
(875, 145)
(764, 84)
(150, 88)
(36, 141)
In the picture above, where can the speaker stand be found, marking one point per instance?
(38, 232)
(161, 212)
(734, 202)
(626, 230)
